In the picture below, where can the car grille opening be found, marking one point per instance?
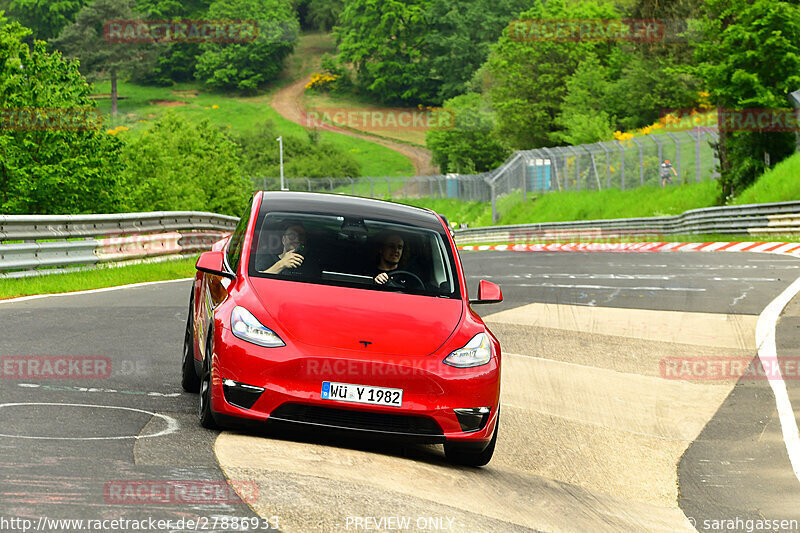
(358, 420)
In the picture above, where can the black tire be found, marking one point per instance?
(204, 409)
(465, 454)
(190, 381)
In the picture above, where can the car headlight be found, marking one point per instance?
(476, 352)
(245, 326)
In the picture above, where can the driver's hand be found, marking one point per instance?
(381, 278)
(291, 260)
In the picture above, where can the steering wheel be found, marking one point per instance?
(403, 279)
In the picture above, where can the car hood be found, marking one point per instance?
(341, 317)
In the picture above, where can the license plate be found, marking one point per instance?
(347, 392)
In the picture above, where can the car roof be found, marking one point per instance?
(353, 206)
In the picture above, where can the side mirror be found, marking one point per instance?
(213, 263)
(488, 293)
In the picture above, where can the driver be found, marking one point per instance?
(390, 256)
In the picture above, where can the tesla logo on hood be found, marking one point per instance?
(365, 343)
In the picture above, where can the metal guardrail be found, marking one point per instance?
(48, 243)
(757, 219)
(44, 243)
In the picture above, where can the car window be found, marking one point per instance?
(348, 251)
(234, 251)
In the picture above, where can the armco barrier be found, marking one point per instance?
(782, 218)
(34, 244)
(41, 244)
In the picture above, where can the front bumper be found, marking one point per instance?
(283, 386)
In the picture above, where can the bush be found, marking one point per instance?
(307, 158)
(178, 165)
(468, 145)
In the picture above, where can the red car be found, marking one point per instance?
(346, 313)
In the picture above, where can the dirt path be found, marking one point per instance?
(288, 103)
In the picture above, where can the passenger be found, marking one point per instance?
(293, 241)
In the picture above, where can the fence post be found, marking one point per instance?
(388, 186)
(594, 167)
(309, 184)
(608, 165)
(677, 153)
(494, 204)
(660, 149)
(641, 160)
(697, 155)
(621, 165)
(525, 169)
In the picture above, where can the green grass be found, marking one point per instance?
(779, 184)
(584, 205)
(237, 113)
(97, 278)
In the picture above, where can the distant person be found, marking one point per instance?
(666, 168)
(293, 241)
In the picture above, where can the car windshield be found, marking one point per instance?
(352, 252)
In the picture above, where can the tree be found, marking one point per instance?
(643, 88)
(98, 56)
(54, 159)
(45, 17)
(175, 61)
(527, 77)
(386, 42)
(583, 117)
(459, 37)
(674, 16)
(323, 14)
(469, 145)
(420, 51)
(180, 165)
(749, 57)
(247, 66)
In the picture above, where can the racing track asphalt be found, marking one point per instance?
(596, 452)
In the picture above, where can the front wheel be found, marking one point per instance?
(189, 378)
(465, 454)
(204, 405)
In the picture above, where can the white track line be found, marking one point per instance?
(765, 340)
(91, 291)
